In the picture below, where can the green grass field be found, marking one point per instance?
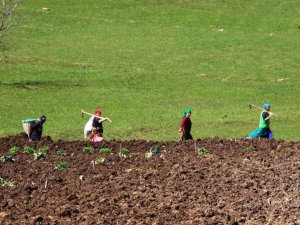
(144, 62)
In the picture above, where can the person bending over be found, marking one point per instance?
(37, 129)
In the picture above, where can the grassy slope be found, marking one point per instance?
(143, 63)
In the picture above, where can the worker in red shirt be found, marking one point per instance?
(97, 128)
(186, 126)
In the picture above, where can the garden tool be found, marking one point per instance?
(102, 118)
(254, 106)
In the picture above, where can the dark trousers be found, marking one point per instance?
(267, 133)
(187, 135)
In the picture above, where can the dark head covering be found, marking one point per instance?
(43, 118)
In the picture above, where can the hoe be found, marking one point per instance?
(102, 118)
(254, 106)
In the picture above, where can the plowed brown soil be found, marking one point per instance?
(240, 182)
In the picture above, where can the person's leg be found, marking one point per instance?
(188, 136)
(269, 134)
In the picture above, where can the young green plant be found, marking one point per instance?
(29, 150)
(44, 149)
(203, 151)
(61, 153)
(154, 150)
(100, 160)
(38, 155)
(123, 153)
(7, 158)
(13, 150)
(6, 183)
(105, 151)
(61, 165)
(88, 149)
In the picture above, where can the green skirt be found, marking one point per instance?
(261, 132)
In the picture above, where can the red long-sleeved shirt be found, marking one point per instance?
(186, 124)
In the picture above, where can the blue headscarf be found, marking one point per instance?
(267, 105)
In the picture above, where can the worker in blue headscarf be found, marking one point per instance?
(263, 130)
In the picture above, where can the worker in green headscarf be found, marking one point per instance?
(186, 126)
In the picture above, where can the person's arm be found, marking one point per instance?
(103, 120)
(182, 124)
(107, 119)
(267, 115)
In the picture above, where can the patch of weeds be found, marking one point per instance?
(249, 149)
(61, 153)
(105, 151)
(203, 151)
(6, 183)
(88, 149)
(44, 149)
(13, 150)
(7, 158)
(61, 165)
(100, 160)
(123, 153)
(29, 150)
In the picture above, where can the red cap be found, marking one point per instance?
(98, 111)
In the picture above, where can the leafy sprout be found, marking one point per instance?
(61, 153)
(105, 151)
(100, 160)
(13, 150)
(203, 151)
(88, 149)
(6, 183)
(7, 158)
(44, 149)
(61, 165)
(123, 153)
(38, 155)
(155, 150)
(29, 150)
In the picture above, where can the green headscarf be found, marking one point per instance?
(186, 111)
